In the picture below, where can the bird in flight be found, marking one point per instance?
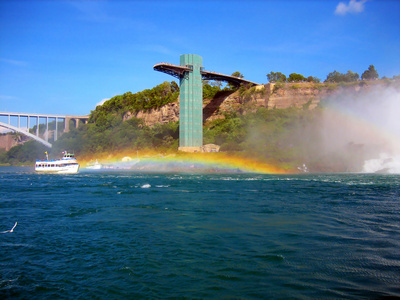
(12, 229)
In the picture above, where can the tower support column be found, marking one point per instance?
(191, 104)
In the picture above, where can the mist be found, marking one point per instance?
(355, 129)
(358, 130)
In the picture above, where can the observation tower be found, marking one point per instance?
(190, 73)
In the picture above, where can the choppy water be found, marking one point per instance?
(98, 235)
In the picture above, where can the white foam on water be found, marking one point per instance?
(384, 164)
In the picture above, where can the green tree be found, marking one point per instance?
(26, 153)
(232, 86)
(216, 83)
(209, 91)
(334, 76)
(350, 76)
(237, 74)
(313, 79)
(337, 77)
(229, 133)
(148, 99)
(370, 74)
(294, 77)
(276, 77)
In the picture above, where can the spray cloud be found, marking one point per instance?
(356, 129)
(362, 127)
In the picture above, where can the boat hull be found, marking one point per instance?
(70, 169)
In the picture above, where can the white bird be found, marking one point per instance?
(12, 229)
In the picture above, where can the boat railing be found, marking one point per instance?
(43, 160)
(39, 160)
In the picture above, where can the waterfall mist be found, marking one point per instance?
(361, 129)
(355, 129)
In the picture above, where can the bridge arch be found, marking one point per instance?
(25, 130)
(26, 133)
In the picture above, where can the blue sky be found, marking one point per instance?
(64, 57)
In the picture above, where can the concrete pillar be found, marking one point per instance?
(55, 134)
(37, 125)
(47, 129)
(66, 124)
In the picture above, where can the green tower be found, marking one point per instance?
(190, 73)
(191, 104)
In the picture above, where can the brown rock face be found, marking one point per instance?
(294, 95)
(8, 141)
(306, 95)
(166, 114)
(279, 95)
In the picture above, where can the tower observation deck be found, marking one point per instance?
(190, 73)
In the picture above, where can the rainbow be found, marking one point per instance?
(373, 122)
(187, 162)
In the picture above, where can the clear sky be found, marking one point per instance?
(64, 57)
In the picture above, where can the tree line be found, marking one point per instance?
(334, 77)
(148, 99)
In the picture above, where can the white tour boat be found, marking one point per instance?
(66, 165)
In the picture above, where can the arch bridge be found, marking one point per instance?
(21, 122)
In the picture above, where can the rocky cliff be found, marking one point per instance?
(305, 95)
(167, 113)
(271, 96)
(7, 141)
